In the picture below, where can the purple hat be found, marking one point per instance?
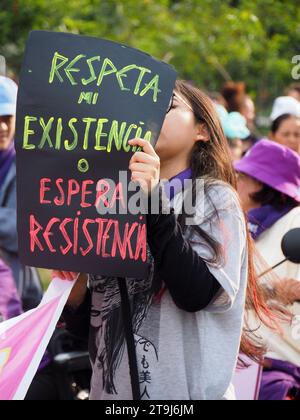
(274, 165)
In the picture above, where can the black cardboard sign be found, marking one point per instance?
(80, 100)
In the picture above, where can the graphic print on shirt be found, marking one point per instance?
(107, 327)
(147, 352)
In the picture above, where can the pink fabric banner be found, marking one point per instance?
(24, 339)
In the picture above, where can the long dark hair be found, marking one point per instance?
(212, 162)
(268, 196)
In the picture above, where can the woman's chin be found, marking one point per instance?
(161, 146)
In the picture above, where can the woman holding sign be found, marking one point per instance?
(187, 316)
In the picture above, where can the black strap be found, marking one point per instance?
(133, 367)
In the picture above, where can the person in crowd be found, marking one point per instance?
(26, 278)
(238, 100)
(10, 303)
(187, 316)
(294, 91)
(269, 189)
(235, 129)
(285, 130)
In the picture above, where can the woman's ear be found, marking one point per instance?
(202, 133)
(271, 135)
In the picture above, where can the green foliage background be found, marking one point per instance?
(208, 41)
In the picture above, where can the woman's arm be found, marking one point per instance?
(184, 272)
(78, 320)
(186, 275)
(78, 309)
(79, 290)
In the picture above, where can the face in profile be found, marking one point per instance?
(247, 186)
(236, 149)
(180, 131)
(7, 131)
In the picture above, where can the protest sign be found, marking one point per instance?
(80, 101)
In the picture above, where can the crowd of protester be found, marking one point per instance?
(267, 171)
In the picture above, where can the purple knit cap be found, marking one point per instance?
(274, 165)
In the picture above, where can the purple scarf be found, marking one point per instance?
(280, 382)
(173, 187)
(6, 159)
(10, 303)
(263, 218)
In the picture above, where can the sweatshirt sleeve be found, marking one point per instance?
(185, 273)
(78, 320)
(8, 221)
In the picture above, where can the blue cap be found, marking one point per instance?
(8, 96)
(233, 123)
